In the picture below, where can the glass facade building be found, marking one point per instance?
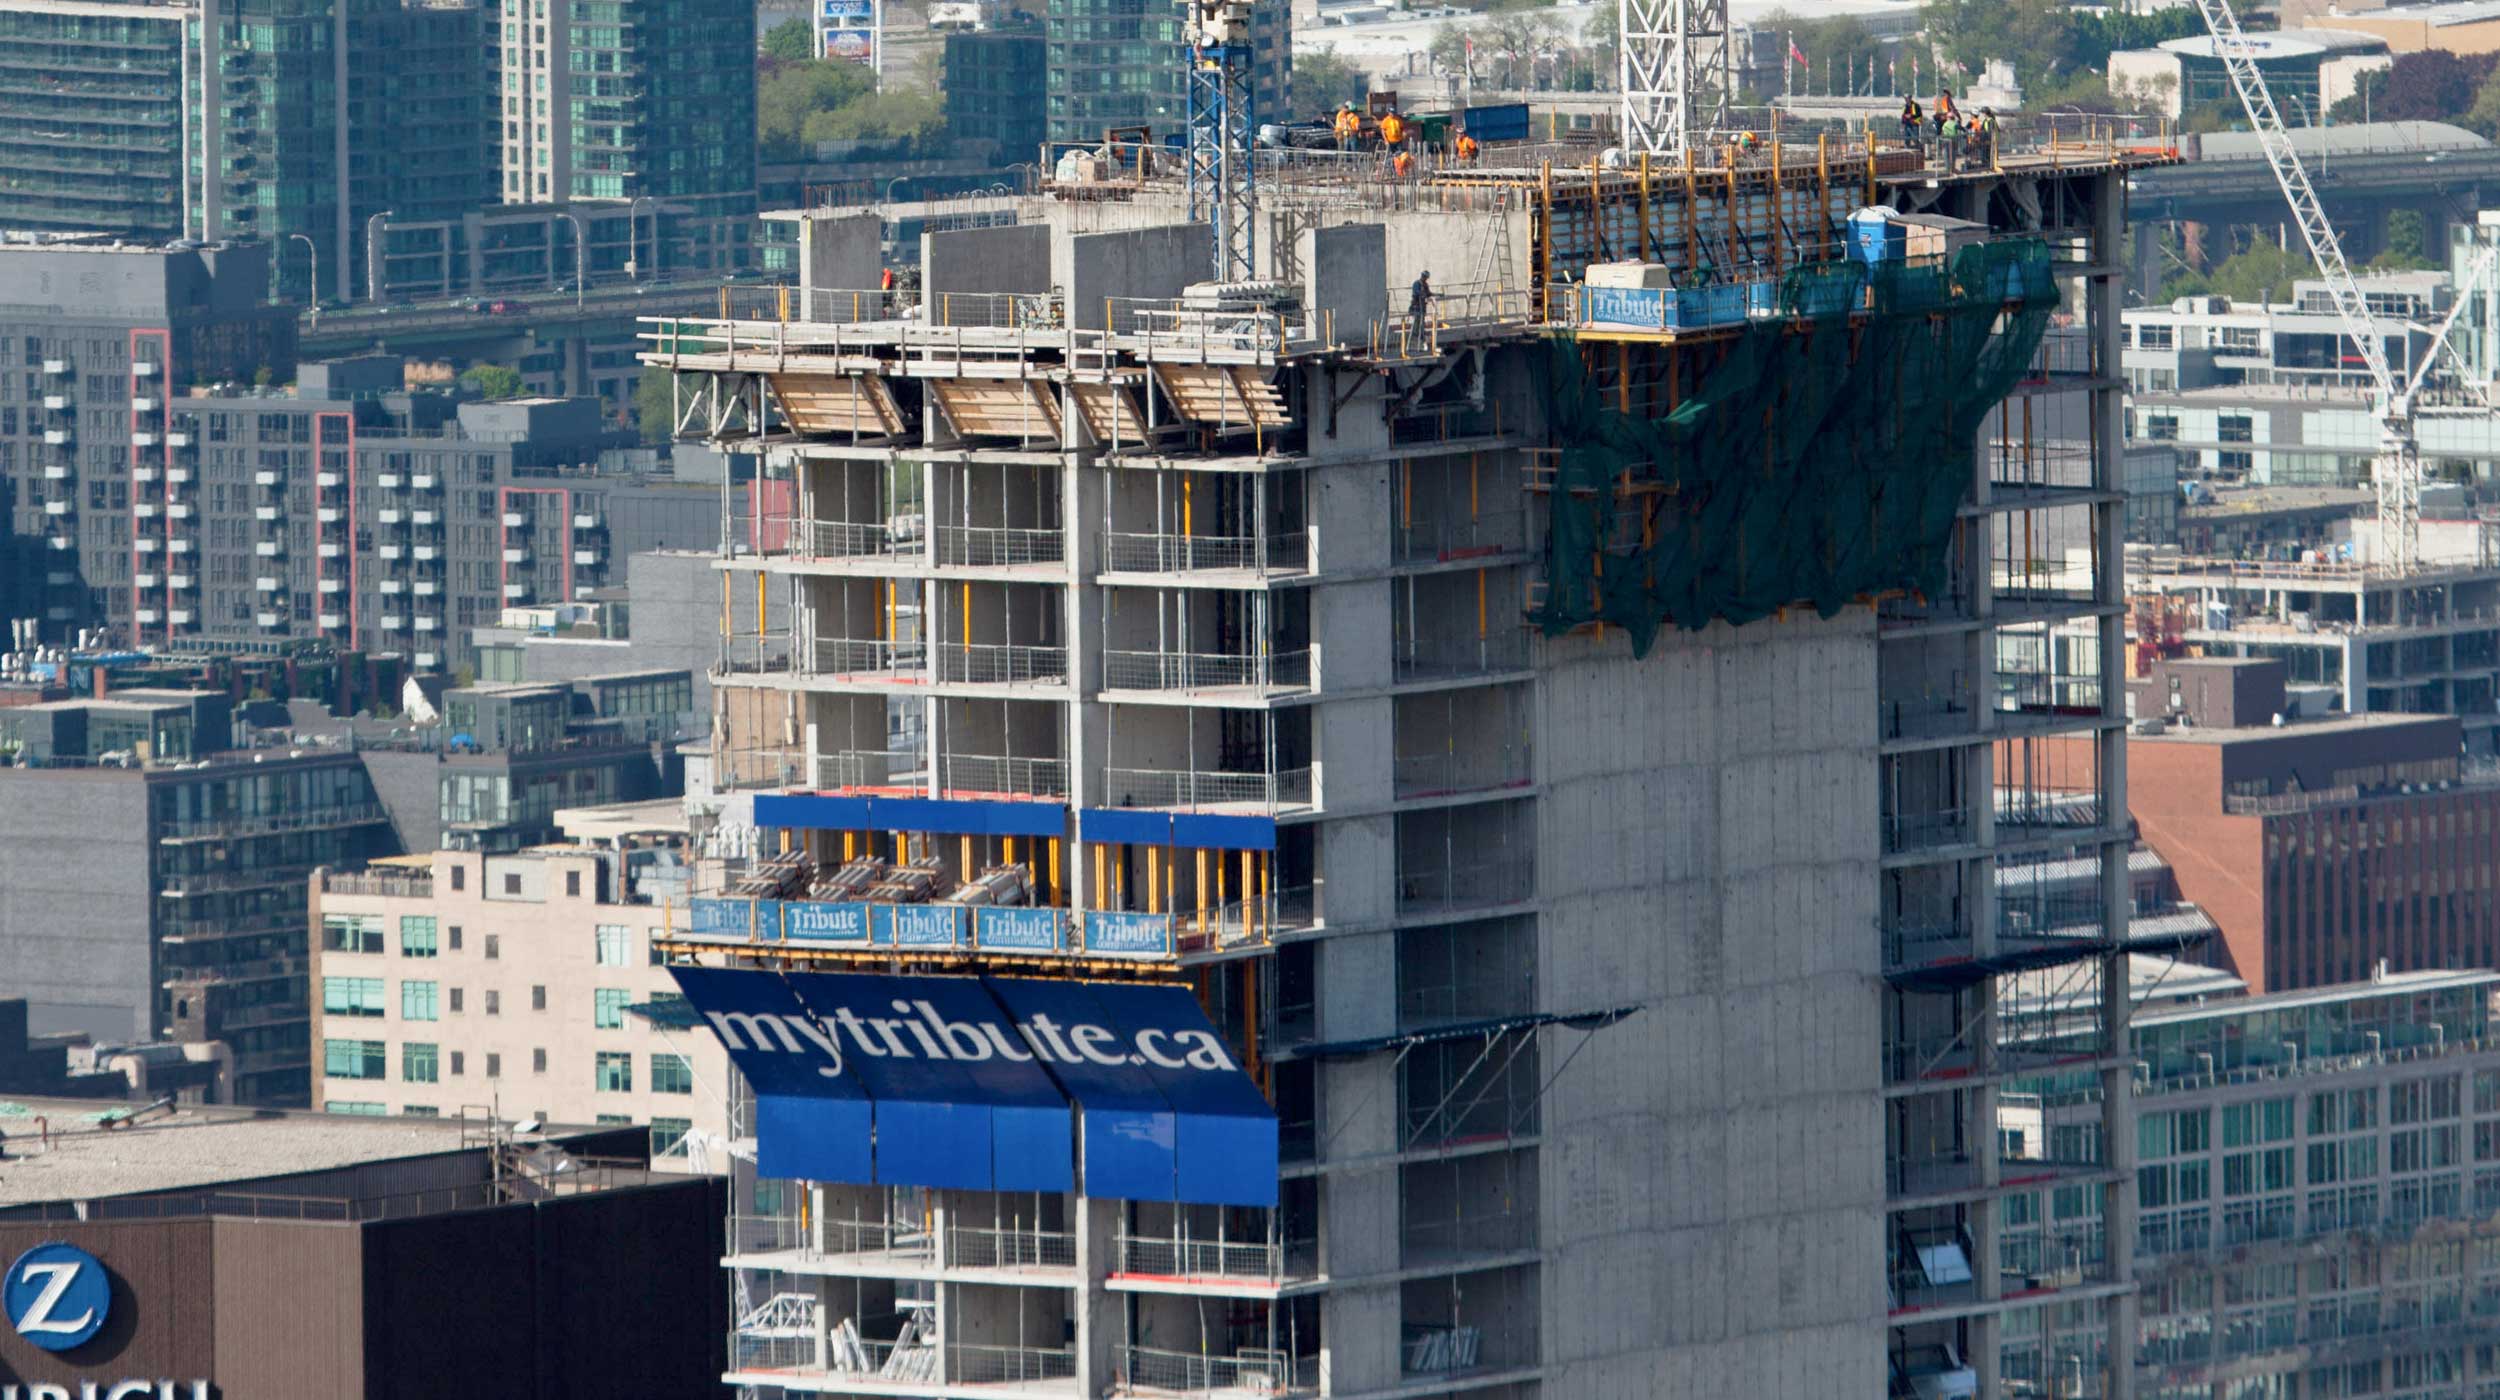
(1124, 64)
(91, 119)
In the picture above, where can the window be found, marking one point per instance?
(615, 1072)
(494, 947)
(671, 1074)
(459, 877)
(538, 997)
(416, 936)
(613, 939)
(538, 1062)
(416, 1000)
(418, 1110)
(351, 933)
(572, 884)
(494, 1065)
(613, 1120)
(351, 996)
(511, 883)
(454, 931)
(658, 958)
(459, 1063)
(494, 1002)
(352, 1059)
(608, 1008)
(354, 1108)
(668, 1136)
(417, 1063)
(455, 1000)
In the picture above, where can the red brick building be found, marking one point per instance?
(2319, 847)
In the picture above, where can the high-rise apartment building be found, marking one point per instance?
(652, 101)
(91, 118)
(1124, 64)
(293, 121)
(172, 503)
(463, 980)
(1555, 784)
(2317, 1177)
(152, 875)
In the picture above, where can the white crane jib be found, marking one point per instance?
(2396, 472)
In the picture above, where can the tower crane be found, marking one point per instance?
(1672, 65)
(2396, 470)
(1223, 187)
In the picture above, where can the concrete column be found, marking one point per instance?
(2118, 1211)
(1097, 1309)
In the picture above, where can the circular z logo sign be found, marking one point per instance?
(57, 1296)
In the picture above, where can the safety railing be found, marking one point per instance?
(1192, 791)
(980, 547)
(261, 823)
(871, 768)
(1448, 540)
(980, 1365)
(1260, 1372)
(2062, 1259)
(999, 310)
(1452, 658)
(777, 1354)
(843, 305)
(2019, 811)
(1036, 777)
(850, 539)
(1188, 670)
(1175, 1258)
(984, 1248)
(755, 653)
(758, 768)
(849, 657)
(2063, 692)
(1927, 717)
(1479, 768)
(982, 663)
(1915, 831)
(1476, 884)
(1129, 553)
(1164, 328)
(1434, 1242)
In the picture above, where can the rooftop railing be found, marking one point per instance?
(1148, 1371)
(1194, 791)
(1188, 670)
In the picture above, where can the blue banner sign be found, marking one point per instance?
(974, 1083)
(1018, 930)
(1128, 935)
(1645, 307)
(818, 922)
(921, 925)
(732, 918)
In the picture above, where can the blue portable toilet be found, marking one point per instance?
(1876, 234)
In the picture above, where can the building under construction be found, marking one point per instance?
(1560, 733)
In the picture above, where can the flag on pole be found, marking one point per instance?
(1797, 55)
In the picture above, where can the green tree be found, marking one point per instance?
(655, 405)
(1836, 47)
(1321, 80)
(791, 41)
(2262, 272)
(1600, 39)
(492, 381)
(2036, 35)
(2407, 246)
(1449, 49)
(2483, 118)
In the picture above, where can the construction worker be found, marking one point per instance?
(1419, 301)
(1944, 105)
(1949, 136)
(1466, 149)
(1987, 139)
(1912, 121)
(1392, 129)
(1403, 164)
(1748, 142)
(1349, 127)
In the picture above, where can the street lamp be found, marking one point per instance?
(581, 254)
(373, 254)
(633, 208)
(312, 250)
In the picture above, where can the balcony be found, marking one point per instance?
(56, 506)
(142, 579)
(141, 437)
(394, 622)
(142, 369)
(145, 403)
(845, 539)
(331, 549)
(328, 480)
(265, 477)
(331, 621)
(1290, 790)
(382, 551)
(56, 367)
(391, 516)
(58, 437)
(390, 586)
(178, 510)
(1454, 541)
(423, 517)
(179, 580)
(266, 549)
(515, 520)
(1265, 672)
(1264, 1262)
(423, 481)
(178, 438)
(1250, 1372)
(268, 584)
(977, 547)
(963, 773)
(56, 471)
(388, 481)
(425, 553)
(1285, 554)
(226, 827)
(1494, 653)
(1476, 768)
(516, 556)
(266, 514)
(989, 664)
(270, 619)
(1438, 889)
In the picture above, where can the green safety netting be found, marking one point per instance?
(1822, 459)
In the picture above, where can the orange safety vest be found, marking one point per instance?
(1467, 148)
(1348, 124)
(1392, 130)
